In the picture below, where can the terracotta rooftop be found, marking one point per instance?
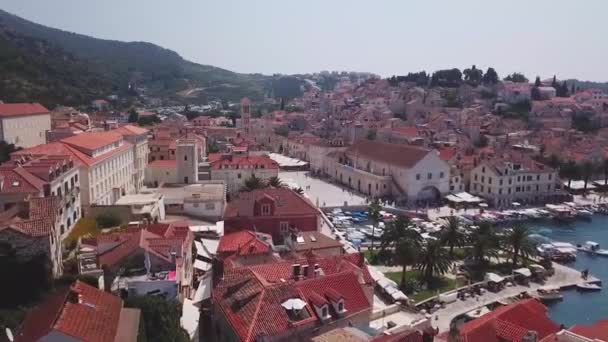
(287, 203)
(510, 323)
(131, 130)
(81, 312)
(93, 140)
(253, 308)
(22, 109)
(244, 242)
(401, 155)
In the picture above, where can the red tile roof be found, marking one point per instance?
(393, 154)
(287, 203)
(253, 308)
(131, 130)
(243, 242)
(510, 323)
(40, 221)
(597, 330)
(62, 148)
(112, 248)
(83, 312)
(93, 140)
(22, 109)
(274, 272)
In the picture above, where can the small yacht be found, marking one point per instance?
(548, 293)
(593, 248)
(588, 287)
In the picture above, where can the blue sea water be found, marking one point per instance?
(580, 307)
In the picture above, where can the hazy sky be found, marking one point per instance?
(538, 37)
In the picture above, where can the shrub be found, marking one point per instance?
(108, 220)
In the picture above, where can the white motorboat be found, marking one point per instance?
(549, 293)
(588, 287)
(593, 248)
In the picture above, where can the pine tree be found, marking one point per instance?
(537, 83)
(564, 90)
(572, 89)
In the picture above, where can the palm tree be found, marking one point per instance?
(406, 254)
(452, 235)
(298, 190)
(518, 242)
(253, 183)
(605, 170)
(433, 260)
(587, 170)
(276, 182)
(394, 231)
(374, 215)
(570, 171)
(484, 242)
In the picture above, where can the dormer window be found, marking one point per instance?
(341, 306)
(265, 208)
(325, 311)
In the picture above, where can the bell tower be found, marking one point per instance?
(246, 115)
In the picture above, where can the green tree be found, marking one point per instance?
(472, 76)
(433, 260)
(298, 190)
(452, 235)
(587, 169)
(394, 231)
(253, 183)
(161, 318)
(518, 242)
(484, 242)
(605, 170)
(570, 171)
(537, 82)
(371, 134)
(6, 150)
(373, 213)
(133, 116)
(490, 77)
(276, 182)
(405, 254)
(516, 77)
(108, 219)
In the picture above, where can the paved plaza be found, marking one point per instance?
(321, 192)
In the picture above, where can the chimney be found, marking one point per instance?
(217, 267)
(295, 270)
(530, 336)
(173, 255)
(304, 273)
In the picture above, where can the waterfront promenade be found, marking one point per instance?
(564, 277)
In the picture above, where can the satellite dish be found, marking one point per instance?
(9, 334)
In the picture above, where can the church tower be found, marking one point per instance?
(187, 161)
(246, 115)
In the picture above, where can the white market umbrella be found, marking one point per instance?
(294, 304)
(517, 204)
(483, 205)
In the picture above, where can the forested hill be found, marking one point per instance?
(47, 64)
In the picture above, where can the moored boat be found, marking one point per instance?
(549, 293)
(593, 248)
(588, 287)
